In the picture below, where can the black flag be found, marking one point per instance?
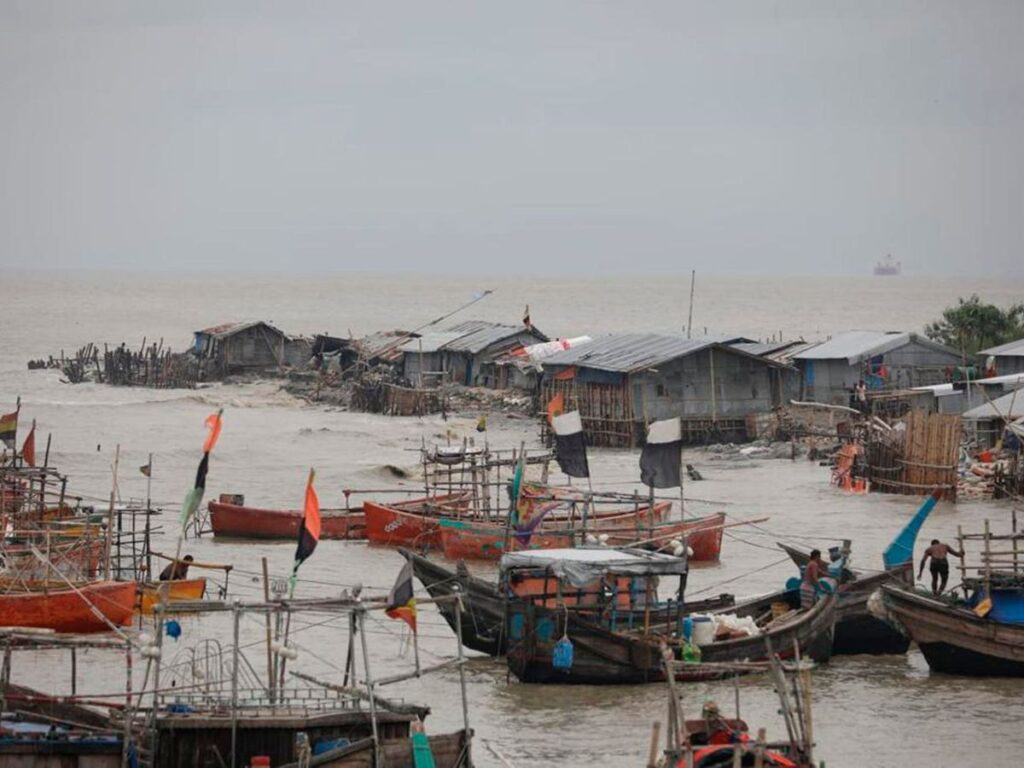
(662, 455)
(570, 448)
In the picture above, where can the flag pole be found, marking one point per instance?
(17, 414)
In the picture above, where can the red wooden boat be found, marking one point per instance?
(703, 535)
(472, 540)
(468, 540)
(414, 523)
(243, 522)
(70, 610)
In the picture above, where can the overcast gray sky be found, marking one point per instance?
(513, 137)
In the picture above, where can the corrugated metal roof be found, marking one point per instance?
(384, 344)
(478, 335)
(1010, 349)
(1009, 406)
(431, 341)
(779, 351)
(627, 352)
(230, 329)
(856, 346)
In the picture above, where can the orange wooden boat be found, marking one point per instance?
(235, 520)
(703, 535)
(182, 589)
(471, 540)
(70, 610)
(466, 540)
(414, 523)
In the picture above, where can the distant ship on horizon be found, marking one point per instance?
(888, 266)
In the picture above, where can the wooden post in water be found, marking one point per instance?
(270, 653)
(462, 678)
(652, 752)
(369, 685)
(236, 610)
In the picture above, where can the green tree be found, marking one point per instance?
(971, 326)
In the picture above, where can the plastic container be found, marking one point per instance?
(703, 630)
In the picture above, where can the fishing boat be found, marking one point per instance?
(242, 522)
(603, 605)
(979, 632)
(716, 740)
(703, 537)
(858, 631)
(85, 608)
(154, 592)
(472, 540)
(483, 607)
(415, 523)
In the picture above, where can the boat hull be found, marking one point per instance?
(703, 536)
(955, 640)
(68, 610)
(176, 591)
(602, 656)
(235, 521)
(466, 540)
(483, 612)
(414, 523)
(858, 631)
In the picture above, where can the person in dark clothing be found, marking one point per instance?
(939, 554)
(176, 571)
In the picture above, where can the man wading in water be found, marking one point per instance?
(938, 552)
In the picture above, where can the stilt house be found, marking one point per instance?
(622, 382)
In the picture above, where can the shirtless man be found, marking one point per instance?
(939, 553)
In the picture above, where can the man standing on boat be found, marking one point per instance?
(939, 553)
(813, 571)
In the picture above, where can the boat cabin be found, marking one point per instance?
(615, 584)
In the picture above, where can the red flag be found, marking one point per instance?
(213, 422)
(28, 448)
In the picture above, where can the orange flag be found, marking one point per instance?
(213, 422)
(28, 448)
(556, 407)
(309, 532)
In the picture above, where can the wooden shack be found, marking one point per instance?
(1008, 358)
(622, 382)
(248, 346)
(464, 353)
(883, 360)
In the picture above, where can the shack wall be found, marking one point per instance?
(254, 347)
(709, 384)
(911, 365)
(1009, 364)
(429, 363)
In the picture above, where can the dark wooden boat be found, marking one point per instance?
(953, 637)
(483, 615)
(857, 629)
(603, 601)
(238, 521)
(979, 632)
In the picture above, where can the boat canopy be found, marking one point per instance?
(584, 565)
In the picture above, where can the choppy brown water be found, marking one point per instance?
(891, 708)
